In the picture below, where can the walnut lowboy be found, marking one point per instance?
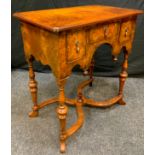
(64, 38)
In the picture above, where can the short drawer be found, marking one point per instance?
(95, 34)
(126, 31)
(110, 31)
(100, 32)
(76, 45)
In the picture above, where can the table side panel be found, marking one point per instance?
(42, 45)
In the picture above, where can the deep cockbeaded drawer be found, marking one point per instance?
(126, 30)
(75, 45)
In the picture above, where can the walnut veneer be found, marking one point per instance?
(65, 37)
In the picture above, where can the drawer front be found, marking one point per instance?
(76, 45)
(126, 31)
(100, 32)
(95, 34)
(110, 31)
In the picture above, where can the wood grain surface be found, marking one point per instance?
(73, 17)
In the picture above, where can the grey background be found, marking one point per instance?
(103, 62)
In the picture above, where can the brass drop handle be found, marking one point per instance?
(77, 46)
(126, 32)
(106, 30)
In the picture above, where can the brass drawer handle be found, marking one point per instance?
(126, 32)
(106, 30)
(77, 46)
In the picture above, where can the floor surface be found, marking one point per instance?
(117, 130)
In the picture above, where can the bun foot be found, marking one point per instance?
(121, 102)
(33, 114)
(62, 147)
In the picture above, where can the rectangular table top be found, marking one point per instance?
(73, 17)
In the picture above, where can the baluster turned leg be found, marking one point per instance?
(123, 76)
(91, 69)
(33, 89)
(62, 113)
(90, 72)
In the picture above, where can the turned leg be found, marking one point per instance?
(90, 72)
(33, 89)
(123, 76)
(62, 113)
(91, 69)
